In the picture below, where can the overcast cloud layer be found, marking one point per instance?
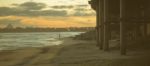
(41, 9)
(41, 15)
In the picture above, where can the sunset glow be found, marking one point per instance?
(46, 13)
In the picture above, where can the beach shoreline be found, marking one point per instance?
(31, 55)
(71, 53)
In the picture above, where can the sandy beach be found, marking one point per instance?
(73, 53)
(27, 56)
(33, 56)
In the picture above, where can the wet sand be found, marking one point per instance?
(27, 56)
(73, 53)
(33, 56)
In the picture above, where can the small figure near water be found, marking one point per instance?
(59, 36)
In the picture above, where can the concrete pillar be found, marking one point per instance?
(101, 23)
(122, 29)
(98, 24)
(106, 25)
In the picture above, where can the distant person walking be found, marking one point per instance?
(59, 35)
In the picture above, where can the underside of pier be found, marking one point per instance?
(129, 19)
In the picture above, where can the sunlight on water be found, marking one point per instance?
(10, 41)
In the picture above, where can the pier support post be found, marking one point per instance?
(122, 39)
(106, 26)
(98, 24)
(101, 23)
(122, 29)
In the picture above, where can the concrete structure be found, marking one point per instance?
(130, 18)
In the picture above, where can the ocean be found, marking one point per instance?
(11, 41)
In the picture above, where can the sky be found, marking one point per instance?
(46, 13)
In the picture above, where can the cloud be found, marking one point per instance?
(54, 13)
(62, 7)
(32, 9)
(83, 9)
(82, 5)
(14, 4)
(6, 11)
(81, 13)
(43, 13)
(32, 6)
